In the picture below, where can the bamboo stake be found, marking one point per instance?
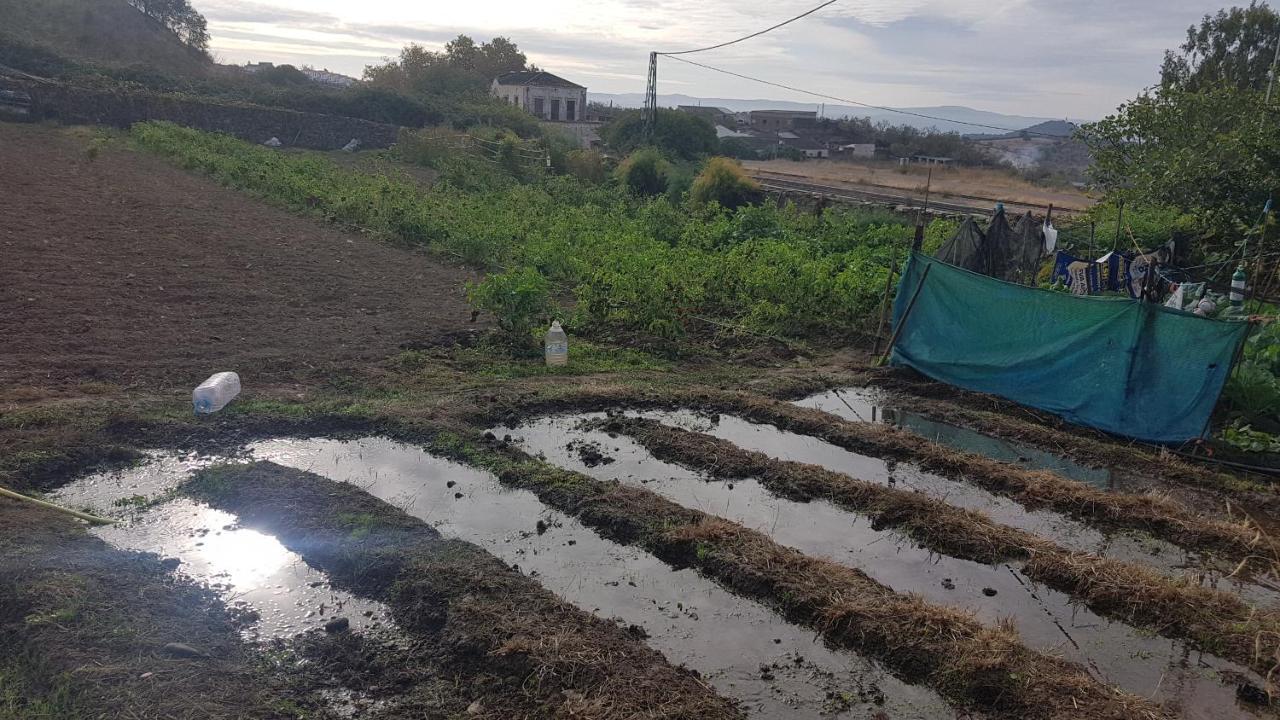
(884, 305)
(91, 519)
(893, 339)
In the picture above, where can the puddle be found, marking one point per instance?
(1047, 620)
(252, 571)
(864, 405)
(776, 669)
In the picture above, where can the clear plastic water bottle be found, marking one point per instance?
(556, 344)
(213, 394)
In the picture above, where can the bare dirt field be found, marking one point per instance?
(121, 269)
(993, 185)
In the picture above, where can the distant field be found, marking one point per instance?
(993, 185)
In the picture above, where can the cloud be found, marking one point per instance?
(1076, 58)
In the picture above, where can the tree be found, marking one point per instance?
(179, 17)
(463, 67)
(680, 134)
(1203, 141)
(1236, 47)
(1214, 153)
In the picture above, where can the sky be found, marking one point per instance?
(1045, 58)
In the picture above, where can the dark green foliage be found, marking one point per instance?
(283, 75)
(738, 148)
(586, 165)
(1213, 154)
(723, 181)
(1234, 48)
(644, 172)
(675, 133)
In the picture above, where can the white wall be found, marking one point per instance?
(528, 97)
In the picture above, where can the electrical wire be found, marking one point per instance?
(862, 104)
(754, 34)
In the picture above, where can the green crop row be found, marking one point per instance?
(638, 265)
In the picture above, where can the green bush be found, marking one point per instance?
(723, 181)
(676, 133)
(520, 299)
(586, 165)
(644, 172)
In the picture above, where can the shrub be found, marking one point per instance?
(677, 133)
(722, 180)
(645, 172)
(585, 165)
(520, 299)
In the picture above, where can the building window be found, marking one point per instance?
(570, 107)
(537, 107)
(555, 108)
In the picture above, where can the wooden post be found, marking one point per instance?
(884, 306)
(905, 314)
(1119, 223)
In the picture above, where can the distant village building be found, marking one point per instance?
(546, 96)
(926, 160)
(713, 115)
(858, 150)
(324, 77)
(782, 119)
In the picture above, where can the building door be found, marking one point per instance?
(537, 107)
(555, 108)
(570, 106)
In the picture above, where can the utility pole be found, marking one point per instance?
(651, 98)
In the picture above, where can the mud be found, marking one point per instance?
(277, 593)
(1190, 683)
(774, 668)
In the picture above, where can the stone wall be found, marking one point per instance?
(71, 105)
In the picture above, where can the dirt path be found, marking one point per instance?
(124, 270)
(994, 185)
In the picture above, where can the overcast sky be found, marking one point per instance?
(1052, 58)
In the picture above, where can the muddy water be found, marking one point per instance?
(1115, 653)
(786, 445)
(252, 571)
(866, 405)
(746, 651)
(861, 404)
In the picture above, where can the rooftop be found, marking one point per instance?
(537, 78)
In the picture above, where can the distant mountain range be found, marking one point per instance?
(1050, 129)
(956, 116)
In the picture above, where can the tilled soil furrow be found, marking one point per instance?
(972, 665)
(1215, 622)
(524, 652)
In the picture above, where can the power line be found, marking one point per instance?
(754, 34)
(861, 104)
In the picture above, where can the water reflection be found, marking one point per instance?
(865, 405)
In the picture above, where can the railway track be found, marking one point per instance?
(946, 204)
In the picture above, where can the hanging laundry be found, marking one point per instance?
(1079, 275)
(1050, 237)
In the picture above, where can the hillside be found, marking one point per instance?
(107, 32)
(959, 114)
